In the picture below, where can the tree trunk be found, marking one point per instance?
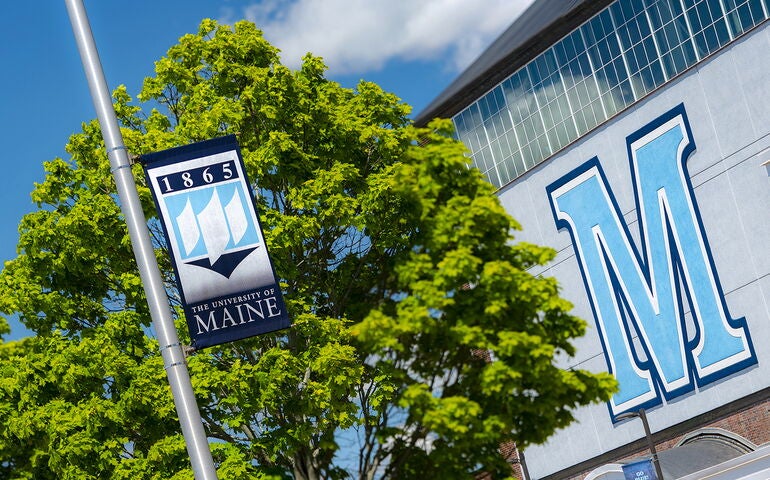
(305, 467)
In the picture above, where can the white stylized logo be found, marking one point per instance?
(213, 227)
(658, 303)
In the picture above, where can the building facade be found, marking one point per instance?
(632, 137)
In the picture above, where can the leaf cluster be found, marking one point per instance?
(421, 341)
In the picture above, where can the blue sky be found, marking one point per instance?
(411, 48)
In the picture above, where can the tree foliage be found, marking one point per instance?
(420, 343)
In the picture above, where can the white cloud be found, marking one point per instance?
(358, 36)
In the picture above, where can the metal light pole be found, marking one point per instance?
(171, 349)
(643, 415)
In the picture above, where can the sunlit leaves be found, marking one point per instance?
(420, 335)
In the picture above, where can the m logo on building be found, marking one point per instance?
(658, 305)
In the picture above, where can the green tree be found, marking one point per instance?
(421, 342)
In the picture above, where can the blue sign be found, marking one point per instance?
(225, 277)
(658, 304)
(641, 470)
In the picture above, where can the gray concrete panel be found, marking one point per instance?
(722, 223)
(727, 106)
(750, 187)
(750, 57)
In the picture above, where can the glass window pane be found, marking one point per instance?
(529, 129)
(580, 121)
(533, 74)
(493, 178)
(505, 149)
(600, 112)
(512, 142)
(553, 138)
(545, 148)
(478, 161)
(505, 117)
(757, 14)
(688, 52)
(606, 22)
(584, 95)
(497, 121)
(475, 143)
(497, 93)
(723, 34)
(518, 163)
(610, 106)
(701, 44)
(657, 74)
(679, 60)
(526, 153)
(475, 115)
(593, 72)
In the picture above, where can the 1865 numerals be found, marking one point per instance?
(196, 177)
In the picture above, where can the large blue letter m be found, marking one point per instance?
(641, 296)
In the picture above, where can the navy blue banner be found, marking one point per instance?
(226, 280)
(641, 470)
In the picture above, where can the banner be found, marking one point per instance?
(640, 470)
(226, 280)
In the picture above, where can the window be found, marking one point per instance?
(614, 59)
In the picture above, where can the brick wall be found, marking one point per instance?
(751, 422)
